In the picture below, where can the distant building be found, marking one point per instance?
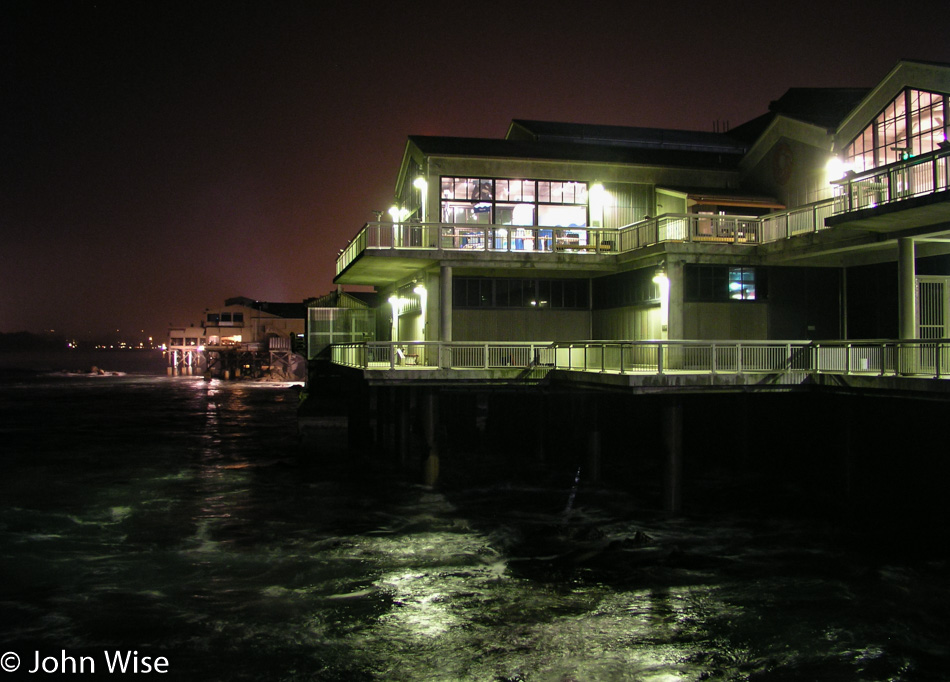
(244, 337)
(825, 218)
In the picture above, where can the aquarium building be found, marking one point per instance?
(824, 218)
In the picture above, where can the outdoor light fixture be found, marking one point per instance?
(423, 187)
(659, 277)
(836, 168)
(595, 202)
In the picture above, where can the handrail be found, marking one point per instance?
(926, 174)
(928, 358)
(913, 177)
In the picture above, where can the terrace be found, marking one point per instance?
(727, 362)
(916, 188)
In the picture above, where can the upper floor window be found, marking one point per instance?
(913, 123)
(511, 201)
(722, 283)
(515, 292)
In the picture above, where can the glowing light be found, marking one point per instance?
(836, 168)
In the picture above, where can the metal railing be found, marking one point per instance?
(914, 358)
(435, 354)
(477, 239)
(896, 182)
(914, 177)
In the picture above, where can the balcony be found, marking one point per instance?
(904, 195)
(908, 194)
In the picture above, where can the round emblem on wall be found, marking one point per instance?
(783, 163)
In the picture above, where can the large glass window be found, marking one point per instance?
(518, 292)
(511, 201)
(913, 123)
(722, 283)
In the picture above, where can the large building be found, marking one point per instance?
(825, 218)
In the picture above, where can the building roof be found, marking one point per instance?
(287, 310)
(625, 136)
(562, 150)
(822, 107)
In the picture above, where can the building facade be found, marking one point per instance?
(825, 218)
(245, 336)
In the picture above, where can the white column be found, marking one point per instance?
(907, 288)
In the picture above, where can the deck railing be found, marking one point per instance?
(913, 358)
(899, 181)
(914, 177)
(478, 239)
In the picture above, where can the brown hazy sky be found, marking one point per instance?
(159, 158)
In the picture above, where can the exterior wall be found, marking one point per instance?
(791, 163)
(725, 321)
(804, 303)
(494, 324)
(256, 326)
(632, 323)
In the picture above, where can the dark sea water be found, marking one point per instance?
(176, 518)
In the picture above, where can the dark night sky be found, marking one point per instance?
(159, 158)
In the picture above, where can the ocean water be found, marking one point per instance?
(178, 519)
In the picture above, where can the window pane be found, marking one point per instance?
(562, 216)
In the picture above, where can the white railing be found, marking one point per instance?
(434, 354)
(894, 182)
(478, 239)
(914, 358)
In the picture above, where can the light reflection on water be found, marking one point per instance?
(172, 516)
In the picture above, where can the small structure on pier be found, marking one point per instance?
(244, 338)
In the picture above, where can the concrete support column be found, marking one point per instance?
(445, 303)
(674, 271)
(907, 303)
(445, 313)
(907, 288)
(404, 427)
(593, 442)
(673, 442)
(431, 425)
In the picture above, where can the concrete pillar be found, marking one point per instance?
(907, 288)
(673, 441)
(445, 303)
(674, 271)
(907, 303)
(593, 455)
(593, 440)
(431, 424)
(404, 427)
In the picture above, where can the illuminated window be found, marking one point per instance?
(722, 283)
(510, 201)
(913, 123)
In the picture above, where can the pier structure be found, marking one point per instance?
(244, 339)
(661, 267)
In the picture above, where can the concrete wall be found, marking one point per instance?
(632, 323)
(519, 324)
(726, 321)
